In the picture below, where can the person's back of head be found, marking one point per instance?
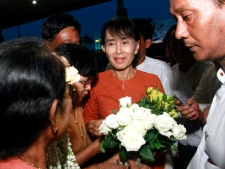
(120, 27)
(166, 45)
(28, 86)
(80, 57)
(145, 27)
(57, 22)
(179, 52)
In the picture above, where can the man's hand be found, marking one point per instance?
(191, 112)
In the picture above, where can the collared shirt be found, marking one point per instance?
(162, 70)
(212, 142)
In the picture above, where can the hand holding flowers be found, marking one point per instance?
(140, 129)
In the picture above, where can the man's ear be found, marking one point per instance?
(53, 111)
(103, 47)
(148, 43)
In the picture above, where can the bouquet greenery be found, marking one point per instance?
(139, 130)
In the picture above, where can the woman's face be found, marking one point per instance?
(82, 87)
(120, 50)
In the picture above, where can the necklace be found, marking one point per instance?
(29, 163)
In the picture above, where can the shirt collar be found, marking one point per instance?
(221, 75)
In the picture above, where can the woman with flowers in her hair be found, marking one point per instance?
(35, 104)
(75, 148)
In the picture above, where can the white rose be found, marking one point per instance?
(144, 115)
(164, 123)
(120, 135)
(111, 121)
(124, 116)
(104, 129)
(179, 132)
(149, 121)
(136, 126)
(133, 141)
(134, 106)
(125, 101)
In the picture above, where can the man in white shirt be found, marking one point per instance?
(201, 25)
(150, 65)
(187, 73)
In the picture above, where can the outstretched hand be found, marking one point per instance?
(112, 163)
(133, 165)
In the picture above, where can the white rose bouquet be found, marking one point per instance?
(139, 130)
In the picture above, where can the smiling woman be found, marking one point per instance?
(120, 42)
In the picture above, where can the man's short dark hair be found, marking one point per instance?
(57, 22)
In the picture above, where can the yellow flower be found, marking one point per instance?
(173, 114)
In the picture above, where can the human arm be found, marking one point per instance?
(111, 163)
(90, 151)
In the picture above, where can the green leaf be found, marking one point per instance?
(102, 147)
(109, 142)
(157, 144)
(123, 155)
(150, 135)
(147, 154)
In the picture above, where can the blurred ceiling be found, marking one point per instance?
(16, 12)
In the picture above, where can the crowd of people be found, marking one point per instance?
(53, 97)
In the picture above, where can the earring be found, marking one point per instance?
(54, 130)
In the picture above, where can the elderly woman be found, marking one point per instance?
(35, 105)
(120, 42)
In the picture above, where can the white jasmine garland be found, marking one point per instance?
(59, 155)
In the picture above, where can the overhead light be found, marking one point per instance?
(34, 2)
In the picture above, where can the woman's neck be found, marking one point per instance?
(36, 154)
(125, 74)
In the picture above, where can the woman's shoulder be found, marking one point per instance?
(141, 74)
(105, 74)
(14, 163)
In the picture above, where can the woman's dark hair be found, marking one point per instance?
(31, 77)
(57, 22)
(119, 27)
(80, 57)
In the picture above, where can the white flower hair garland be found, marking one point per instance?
(72, 75)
